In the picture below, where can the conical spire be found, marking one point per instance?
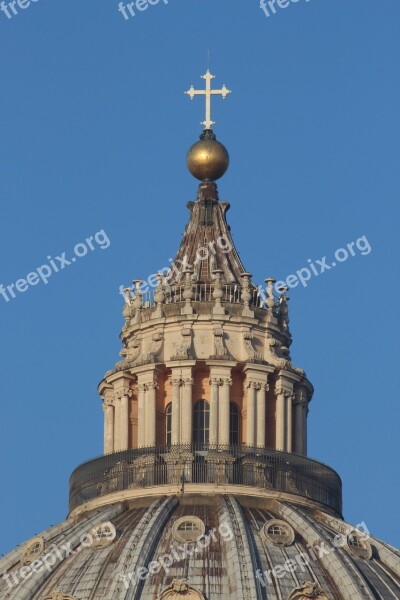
(207, 243)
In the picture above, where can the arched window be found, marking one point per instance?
(234, 424)
(168, 424)
(201, 423)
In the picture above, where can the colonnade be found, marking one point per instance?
(291, 407)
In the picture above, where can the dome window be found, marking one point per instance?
(279, 533)
(33, 550)
(359, 547)
(188, 529)
(103, 535)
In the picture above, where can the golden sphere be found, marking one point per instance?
(208, 159)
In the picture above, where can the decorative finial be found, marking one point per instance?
(208, 92)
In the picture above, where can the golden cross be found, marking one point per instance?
(208, 92)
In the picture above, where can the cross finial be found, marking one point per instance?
(208, 92)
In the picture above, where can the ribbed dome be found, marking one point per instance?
(264, 549)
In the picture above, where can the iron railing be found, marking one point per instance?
(219, 465)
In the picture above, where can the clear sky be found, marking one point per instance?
(94, 133)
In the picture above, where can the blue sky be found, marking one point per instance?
(94, 133)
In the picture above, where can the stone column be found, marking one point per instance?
(141, 415)
(289, 421)
(120, 383)
(305, 438)
(187, 411)
(300, 420)
(151, 414)
(224, 412)
(125, 419)
(215, 382)
(117, 423)
(121, 429)
(251, 413)
(261, 414)
(176, 409)
(257, 387)
(298, 426)
(280, 419)
(108, 408)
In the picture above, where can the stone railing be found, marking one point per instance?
(202, 292)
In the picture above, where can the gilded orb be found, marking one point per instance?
(208, 159)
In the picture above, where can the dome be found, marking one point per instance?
(205, 490)
(234, 559)
(208, 159)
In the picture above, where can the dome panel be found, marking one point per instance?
(232, 559)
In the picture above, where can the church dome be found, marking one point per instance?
(240, 555)
(205, 490)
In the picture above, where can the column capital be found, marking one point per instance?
(176, 382)
(107, 393)
(216, 381)
(188, 381)
(147, 377)
(109, 403)
(285, 392)
(123, 391)
(152, 385)
(303, 393)
(301, 397)
(257, 375)
(255, 385)
(226, 381)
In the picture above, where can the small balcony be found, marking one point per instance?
(218, 465)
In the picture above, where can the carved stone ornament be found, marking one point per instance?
(57, 595)
(180, 588)
(103, 535)
(308, 590)
(33, 550)
(250, 350)
(150, 356)
(183, 351)
(219, 345)
(130, 354)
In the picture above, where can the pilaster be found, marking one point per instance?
(147, 376)
(220, 382)
(257, 387)
(108, 408)
(122, 393)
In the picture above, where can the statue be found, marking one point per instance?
(308, 589)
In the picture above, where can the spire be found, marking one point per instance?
(207, 243)
(207, 246)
